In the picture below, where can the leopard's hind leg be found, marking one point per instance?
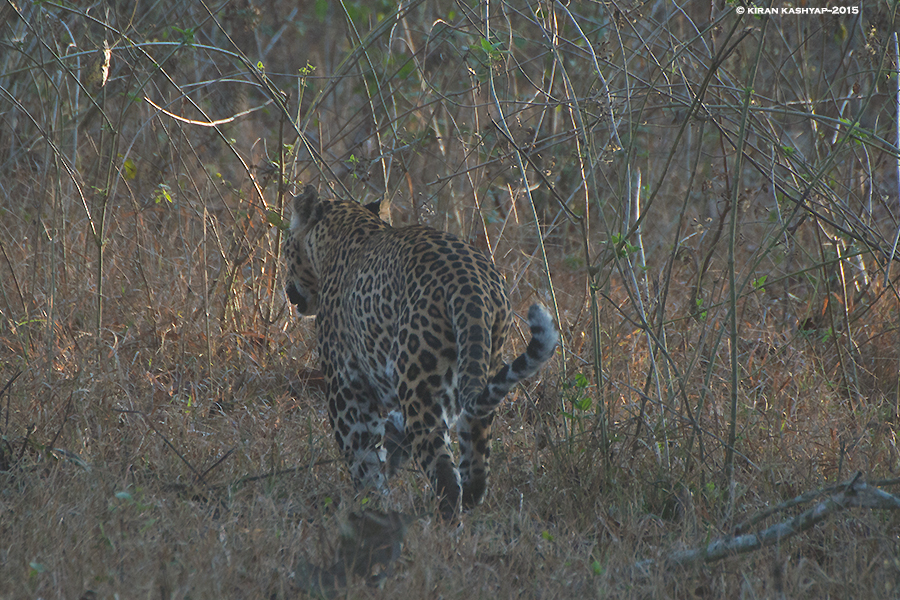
(359, 431)
(475, 453)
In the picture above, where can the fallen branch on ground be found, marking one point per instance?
(853, 494)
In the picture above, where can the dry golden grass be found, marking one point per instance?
(171, 441)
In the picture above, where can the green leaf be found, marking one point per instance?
(583, 404)
(321, 9)
(493, 50)
(37, 567)
(187, 35)
(581, 381)
(162, 193)
(275, 220)
(148, 524)
(307, 70)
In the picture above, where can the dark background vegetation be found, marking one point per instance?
(708, 202)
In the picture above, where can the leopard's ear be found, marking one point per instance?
(381, 209)
(374, 207)
(308, 209)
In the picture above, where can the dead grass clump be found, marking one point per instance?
(706, 200)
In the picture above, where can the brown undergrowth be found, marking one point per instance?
(716, 204)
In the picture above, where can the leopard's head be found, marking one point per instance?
(302, 281)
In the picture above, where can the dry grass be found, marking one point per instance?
(736, 345)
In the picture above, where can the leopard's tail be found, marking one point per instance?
(544, 338)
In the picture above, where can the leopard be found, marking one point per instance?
(410, 326)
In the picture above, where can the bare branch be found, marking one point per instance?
(855, 494)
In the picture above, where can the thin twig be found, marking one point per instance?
(196, 473)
